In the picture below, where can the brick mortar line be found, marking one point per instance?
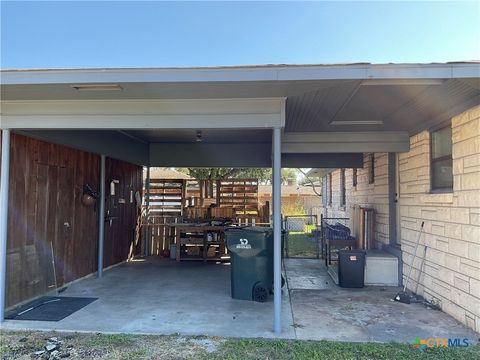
(450, 287)
(447, 267)
(460, 306)
(449, 222)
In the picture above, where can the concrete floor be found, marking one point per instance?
(322, 310)
(160, 296)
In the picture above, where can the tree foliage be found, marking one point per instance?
(264, 175)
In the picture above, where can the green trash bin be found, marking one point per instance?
(251, 253)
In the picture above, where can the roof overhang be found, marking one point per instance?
(345, 142)
(240, 113)
(360, 71)
(324, 109)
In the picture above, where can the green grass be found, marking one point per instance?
(301, 245)
(288, 349)
(136, 347)
(30, 344)
(4, 348)
(135, 354)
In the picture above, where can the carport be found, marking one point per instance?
(322, 116)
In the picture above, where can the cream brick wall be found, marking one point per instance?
(364, 194)
(451, 272)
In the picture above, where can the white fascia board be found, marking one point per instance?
(345, 136)
(105, 122)
(76, 76)
(238, 74)
(387, 71)
(144, 107)
(347, 147)
(144, 114)
(345, 142)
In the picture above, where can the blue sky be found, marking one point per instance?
(156, 34)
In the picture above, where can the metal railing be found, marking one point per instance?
(302, 239)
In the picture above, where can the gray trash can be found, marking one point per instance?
(251, 253)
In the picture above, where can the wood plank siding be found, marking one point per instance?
(120, 238)
(46, 216)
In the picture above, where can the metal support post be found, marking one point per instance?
(277, 231)
(4, 180)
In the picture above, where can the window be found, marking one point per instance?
(441, 159)
(354, 177)
(371, 169)
(330, 189)
(343, 195)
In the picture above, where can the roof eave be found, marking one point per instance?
(359, 71)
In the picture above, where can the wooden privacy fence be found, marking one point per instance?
(239, 194)
(174, 200)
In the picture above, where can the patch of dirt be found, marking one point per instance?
(208, 345)
(89, 353)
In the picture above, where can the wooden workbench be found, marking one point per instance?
(200, 242)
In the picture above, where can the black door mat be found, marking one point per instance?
(49, 308)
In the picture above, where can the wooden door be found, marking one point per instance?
(55, 206)
(64, 222)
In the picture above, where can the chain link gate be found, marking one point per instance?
(302, 237)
